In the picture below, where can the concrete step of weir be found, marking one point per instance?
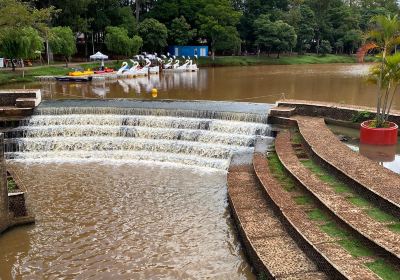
(269, 247)
(7, 123)
(282, 111)
(9, 111)
(319, 246)
(379, 185)
(26, 102)
(355, 218)
(19, 102)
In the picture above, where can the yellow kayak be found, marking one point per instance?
(81, 73)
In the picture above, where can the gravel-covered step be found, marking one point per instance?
(376, 232)
(383, 187)
(322, 248)
(269, 247)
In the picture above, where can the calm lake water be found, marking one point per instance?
(343, 83)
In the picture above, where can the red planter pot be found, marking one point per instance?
(378, 136)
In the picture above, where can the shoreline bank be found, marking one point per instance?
(28, 74)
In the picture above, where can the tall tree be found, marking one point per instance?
(123, 17)
(63, 42)
(22, 43)
(287, 37)
(325, 47)
(181, 32)
(276, 35)
(137, 10)
(154, 34)
(266, 32)
(75, 14)
(252, 9)
(352, 40)
(306, 28)
(16, 16)
(223, 24)
(118, 41)
(343, 19)
(217, 22)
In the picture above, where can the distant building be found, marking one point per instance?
(188, 50)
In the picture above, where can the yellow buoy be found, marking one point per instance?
(154, 92)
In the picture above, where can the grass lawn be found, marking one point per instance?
(278, 170)
(8, 76)
(384, 269)
(355, 247)
(11, 186)
(303, 200)
(272, 60)
(317, 215)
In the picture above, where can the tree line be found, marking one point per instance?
(124, 27)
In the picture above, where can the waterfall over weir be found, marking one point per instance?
(198, 133)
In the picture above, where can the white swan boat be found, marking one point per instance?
(124, 68)
(192, 67)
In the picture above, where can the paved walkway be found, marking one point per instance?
(271, 248)
(371, 175)
(324, 246)
(341, 207)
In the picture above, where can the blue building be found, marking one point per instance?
(188, 50)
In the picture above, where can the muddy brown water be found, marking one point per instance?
(343, 83)
(140, 221)
(123, 222)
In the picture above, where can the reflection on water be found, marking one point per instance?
(379, 153)
(139, 87)
(342, 83)
(123, 222)
(388, 161)
(387, 156)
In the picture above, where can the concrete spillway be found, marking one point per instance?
(204, 134)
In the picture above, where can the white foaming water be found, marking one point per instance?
(184, 113)
(100, 143)
(149, 121)
(204, 138)
(123, 157)
(137, 132)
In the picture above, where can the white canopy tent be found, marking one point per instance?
(99, 56)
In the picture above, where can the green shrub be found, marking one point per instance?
(361, 116)
(11, 185)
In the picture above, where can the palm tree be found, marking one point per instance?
(388, 77)
(384, 36)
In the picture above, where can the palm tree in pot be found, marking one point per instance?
(384, 36)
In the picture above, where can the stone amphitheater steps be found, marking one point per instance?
(270, 248)
(321, 247)
(375, 232)
(379, 184)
